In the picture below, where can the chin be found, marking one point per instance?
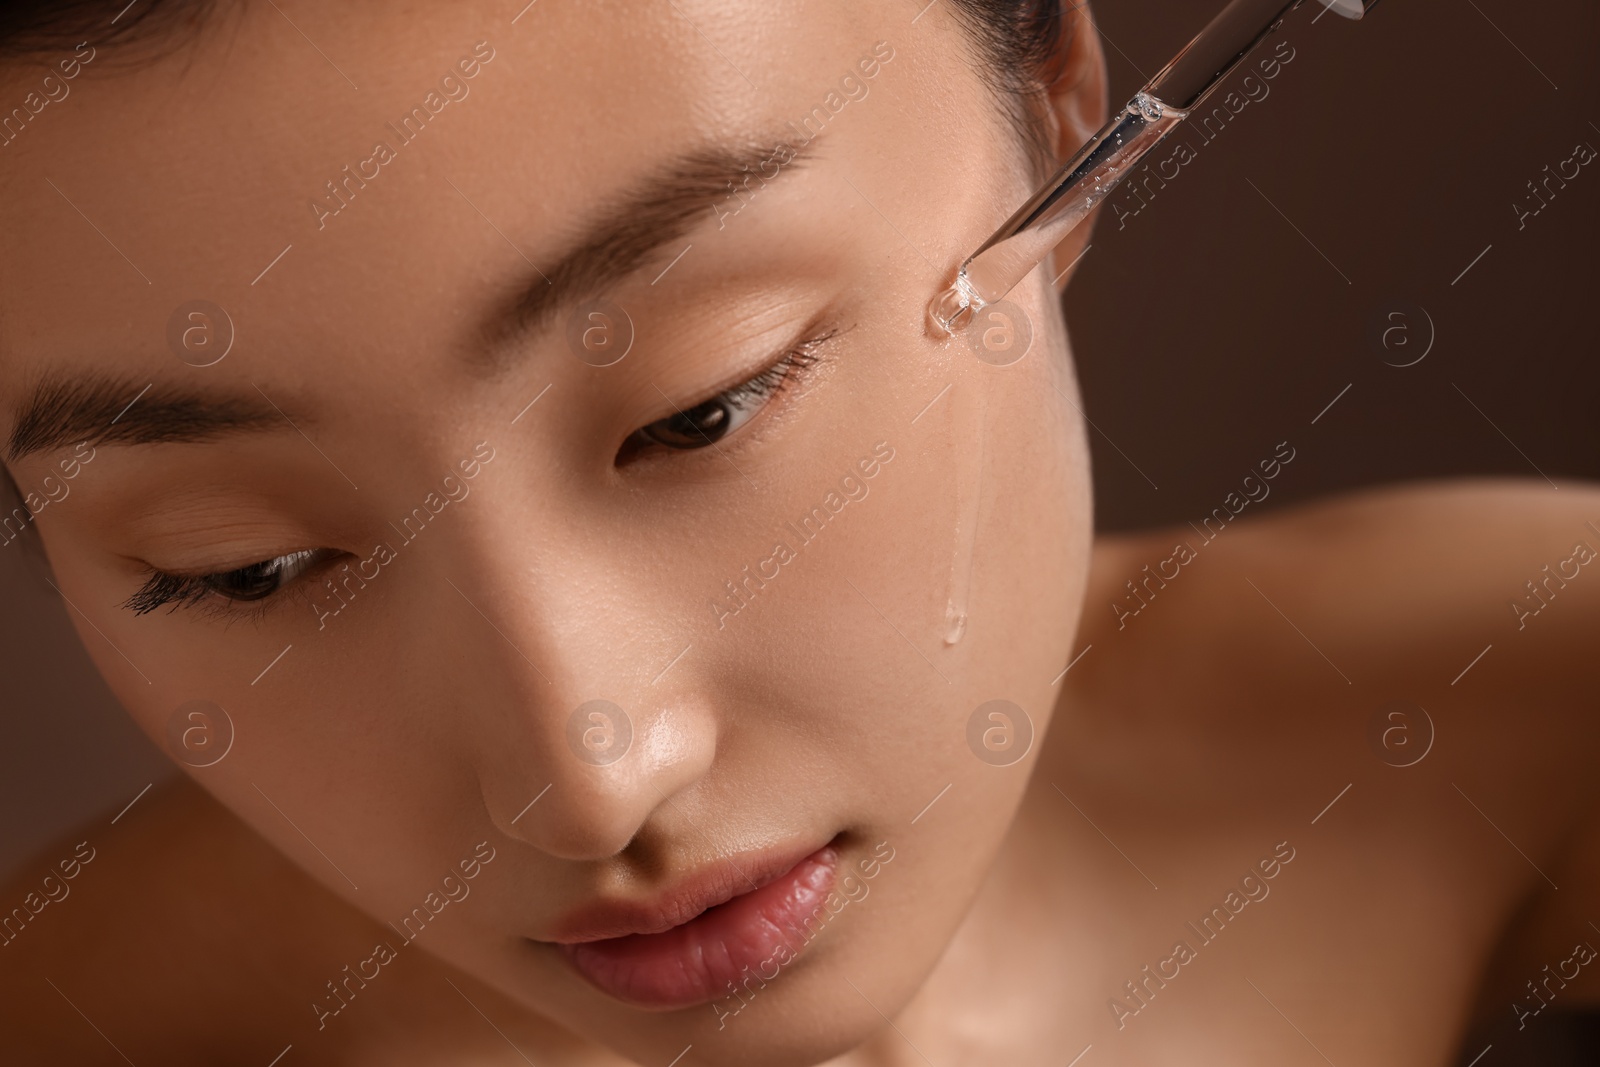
(801, 1029)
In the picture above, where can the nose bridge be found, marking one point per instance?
(579, 737)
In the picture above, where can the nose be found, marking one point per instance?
(579, 738)
(605, 772)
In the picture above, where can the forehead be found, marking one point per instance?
(305, 164)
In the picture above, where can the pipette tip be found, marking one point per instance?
(953, 309)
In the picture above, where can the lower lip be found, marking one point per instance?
(697, 962)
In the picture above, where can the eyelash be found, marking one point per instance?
(174, 591)
(183, 591)
(784, 373)
(761, 388)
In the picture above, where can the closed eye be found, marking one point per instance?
(255, 582)
(705, 423)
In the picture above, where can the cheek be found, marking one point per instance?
(1016, 517)
(283, 727)
(984, 513)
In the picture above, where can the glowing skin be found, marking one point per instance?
(778, 702)
(426, 714)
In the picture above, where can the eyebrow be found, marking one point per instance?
(626, 232)
(630, 229)
(64, 411)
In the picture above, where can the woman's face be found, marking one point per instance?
(428, 234)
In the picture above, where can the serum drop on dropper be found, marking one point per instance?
(1024, 239)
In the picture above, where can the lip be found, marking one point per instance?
(694, 942)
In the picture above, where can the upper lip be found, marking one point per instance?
(716, 883)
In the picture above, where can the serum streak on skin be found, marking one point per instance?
(968, 408)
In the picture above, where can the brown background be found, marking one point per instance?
(1207, 328)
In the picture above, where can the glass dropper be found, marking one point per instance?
(1024, 239)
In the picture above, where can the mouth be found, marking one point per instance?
(698, 942)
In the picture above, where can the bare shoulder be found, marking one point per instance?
(177, 934)
(175, 903)
(1246, 672)
(1270, 644)
(1412, 580)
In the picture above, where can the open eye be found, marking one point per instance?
(711, 420)
(257, 581)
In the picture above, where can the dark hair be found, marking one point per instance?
(45, 27)
(1022, 50)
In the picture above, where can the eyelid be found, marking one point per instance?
(191, 590)
(793, 367)
(740, 339)
(231, 526)
(233, 561)
(799, 356)
(805, 343)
